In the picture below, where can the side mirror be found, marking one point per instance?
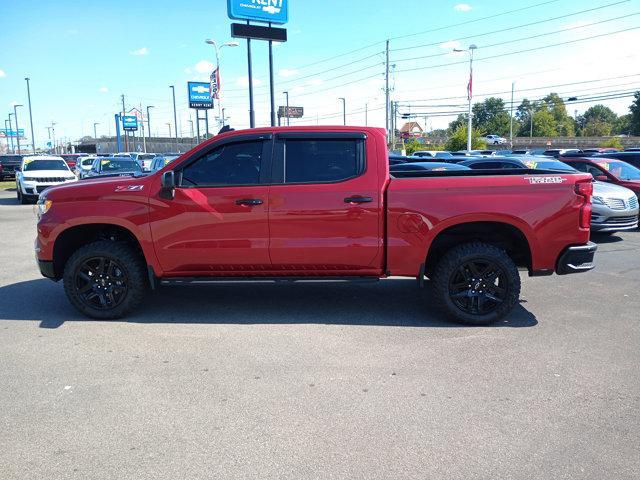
(168, 185)
(601, 178)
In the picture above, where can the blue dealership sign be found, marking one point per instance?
(11, 133)
(130, 122)
(274, 11)
(200, 95)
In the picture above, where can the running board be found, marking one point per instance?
(217, 280)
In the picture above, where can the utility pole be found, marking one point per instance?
(531, 120)
(175, 115)
(7, 129)
(95, 135)
(286, 112)
(344, 110)
(513, 86)
(223, 117)
(470, 50)
(386, 92)
(126, 134)
(53, 129)
(33, 135)
(149, 122)
(15, 114)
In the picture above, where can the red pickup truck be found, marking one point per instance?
(312, 203)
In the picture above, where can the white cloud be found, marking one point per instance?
(140, 52)
(103, 90)
(2, 73)
(203, 66)
(286, 72)
(462, 7)
(450, 45)
(244, 81)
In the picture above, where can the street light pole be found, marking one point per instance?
(15, 114)
(286, 112)
(7, 130)
(149, 122)
(513, 86)
(10, 129)
(33, 135)
(175, 114)
(344, 110)
(471, 48)
(169, 125)
(218, 55)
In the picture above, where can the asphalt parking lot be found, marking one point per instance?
(319, 381)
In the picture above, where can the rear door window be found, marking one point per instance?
(323, 160)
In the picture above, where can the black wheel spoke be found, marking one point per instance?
(100, 266)
(477, 286)
(85, 288)
(101, 283)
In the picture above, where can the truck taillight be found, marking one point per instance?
(585, 190)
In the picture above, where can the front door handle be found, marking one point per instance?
(358, 199)
(250, 202)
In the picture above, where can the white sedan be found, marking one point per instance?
(39, 172)
(495, 140)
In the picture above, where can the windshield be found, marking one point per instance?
(549, 165)
(621, 170)
(87, 162)
(30, 165)
(443, 155)
(117, 165)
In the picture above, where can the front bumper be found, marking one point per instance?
(615, 224)
(576, 259)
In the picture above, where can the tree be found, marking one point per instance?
(635, 114)
(461, 121)
(523, 115)
(490, 117)
(544, 124)
(622, 125)
(612, 143)
(597, 121)
(564, 124)
(458, 141)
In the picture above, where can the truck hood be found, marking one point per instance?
(98, 188)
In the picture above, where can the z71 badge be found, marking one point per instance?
(129, 188)
(534, 180)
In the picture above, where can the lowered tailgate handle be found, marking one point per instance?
(358, 199)
(250, 202)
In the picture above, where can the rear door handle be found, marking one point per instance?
(250, 202)
(358, 199)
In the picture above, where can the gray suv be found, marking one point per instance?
(614, 208)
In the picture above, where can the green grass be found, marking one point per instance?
(8, 184)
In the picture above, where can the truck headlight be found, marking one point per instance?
(43, 206)
(597, 200)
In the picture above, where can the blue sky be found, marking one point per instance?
(81, 56)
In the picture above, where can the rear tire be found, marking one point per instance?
(105, 279)
(476, 284)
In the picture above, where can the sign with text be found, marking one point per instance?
(258, 32)
(290, 112)
(130, 123)
(200, 95)
(274, 11)
(4, 133)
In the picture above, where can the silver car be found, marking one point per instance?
(614, 208)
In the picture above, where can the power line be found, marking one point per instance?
(499, 44)
(511, 28)
(519, 51)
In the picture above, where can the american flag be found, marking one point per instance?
(470, 86)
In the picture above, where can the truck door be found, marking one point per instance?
(217, 222)
(325, 204)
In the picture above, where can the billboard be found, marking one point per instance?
(130, 123)
(199, 95)
(290, 112)
(274, 11)
(4, 133)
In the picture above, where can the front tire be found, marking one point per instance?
(21, 198)
(105, 279)
(476, 284)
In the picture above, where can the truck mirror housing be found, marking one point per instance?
(168, 185)
(601, 178)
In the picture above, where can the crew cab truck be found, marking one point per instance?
(312, 203)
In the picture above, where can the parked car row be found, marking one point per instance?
(616, 184)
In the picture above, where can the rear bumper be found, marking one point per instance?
(576, 259)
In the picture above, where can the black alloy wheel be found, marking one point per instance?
(478, 287)
(101, 283)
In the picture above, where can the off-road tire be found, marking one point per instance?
(129, 263)
(449, 266)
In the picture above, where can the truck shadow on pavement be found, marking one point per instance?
(396, 302)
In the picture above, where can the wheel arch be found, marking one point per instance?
(76, 236)
(501, 234)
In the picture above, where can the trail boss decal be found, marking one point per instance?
(129, 188)
(536, 180)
